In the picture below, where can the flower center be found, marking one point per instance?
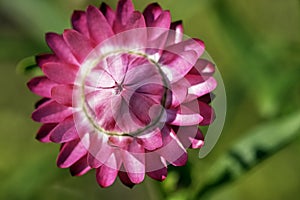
(124, 94)
(118, 89)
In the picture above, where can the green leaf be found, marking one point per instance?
(28, 66)
(258, 144)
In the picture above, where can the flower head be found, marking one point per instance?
(124, 93)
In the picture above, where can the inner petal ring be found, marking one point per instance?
(123, 93)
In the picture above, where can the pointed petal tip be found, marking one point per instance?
(181, 161)
(80, 167)
(60, 48)
(43, 134)
(48, 35)
(41, 59)
(124, 10)
(159, 175)
(70, 153)
(195, 143)
(76, 15)
(91, 7)
(41, 86)
(123, 176)
(177, 26)
(51, 112)
(106, 176)
(200, 42)
(152, 9)
(136, 178)
(103, 7)
(98, 26)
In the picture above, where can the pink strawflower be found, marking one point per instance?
(123, 93)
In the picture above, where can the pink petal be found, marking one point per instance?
(93, 162)
(152, 12)
(134, 162)
(204, 67)
(120, 141)
(106, 176)
(136, 61)
(207, 112)
(201, 72)
(196, 144)
(163, 21)
(184, 115)
(124, 120)
(60, 48)
(176, 35)
(197, 81)
(106, 106)
(60, 72)
(156, 166)
(172, 151)
(179, 92)
(198, 141)
(160, 174)
(64, 131)
(156, 39)
(79, 23)
(140, 106)
(99, 151)
(115, 117)
(45, 58)
(80, 45)
(108, 13)
(177, 60)
(80, 167)
(135, 21)
(156, 17)
(99, 78)
(190, 137)
(155, 91)
(43, 134)
(98, 26)
(152, 140)
(63, 94)
(201, 89)
(41, 86)
(192, 79)
(125, 179)
(107, 173)
(51, 112)
(70, 153)
(117, 67)
(142, 75)
(108, 109)
(124, 10)
(207, 98)
(41, 102)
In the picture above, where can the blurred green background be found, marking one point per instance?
(256, 45)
